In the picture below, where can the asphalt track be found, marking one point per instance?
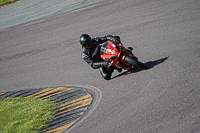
(164, 35)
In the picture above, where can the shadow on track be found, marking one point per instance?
(150, 65)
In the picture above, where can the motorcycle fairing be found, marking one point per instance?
(116, 53)
(110, 51)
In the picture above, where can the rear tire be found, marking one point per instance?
(135, 62)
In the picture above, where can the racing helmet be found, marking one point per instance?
(85, 40)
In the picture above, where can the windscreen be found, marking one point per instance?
(109, 51)
(104, 48)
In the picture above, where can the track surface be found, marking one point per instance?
(164, 35)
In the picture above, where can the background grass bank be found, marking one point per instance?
(5, 2)
(25, 115)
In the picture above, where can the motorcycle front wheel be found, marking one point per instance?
(105, 73)
(135, 62)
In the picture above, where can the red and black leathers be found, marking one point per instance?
(92, 55)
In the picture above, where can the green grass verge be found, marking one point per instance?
(25, 115)
(5, 2)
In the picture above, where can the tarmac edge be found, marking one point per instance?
(94, 92)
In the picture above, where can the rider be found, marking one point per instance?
(91, 51)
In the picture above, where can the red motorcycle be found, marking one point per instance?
(119, 57)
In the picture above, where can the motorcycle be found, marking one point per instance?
(119, 57)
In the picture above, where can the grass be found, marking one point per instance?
(5, 2)
(25, 115)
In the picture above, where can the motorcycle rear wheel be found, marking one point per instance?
(135, 62)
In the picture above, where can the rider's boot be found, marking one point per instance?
(130, 48)
(118, 69)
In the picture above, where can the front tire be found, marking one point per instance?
(135, 62)
(106, 74)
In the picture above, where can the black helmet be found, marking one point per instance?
(85, 40)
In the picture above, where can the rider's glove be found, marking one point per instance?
(112, 39)
(117, 38)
